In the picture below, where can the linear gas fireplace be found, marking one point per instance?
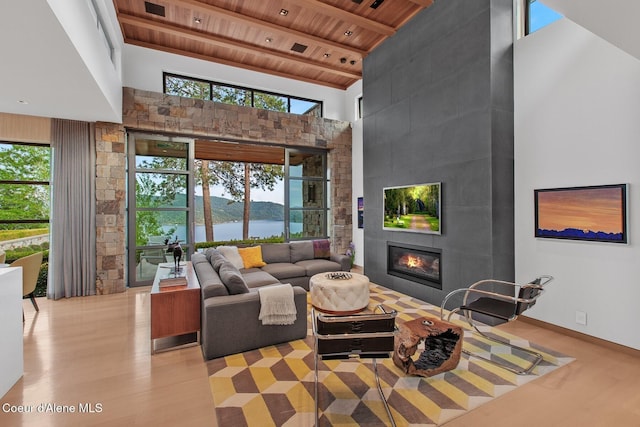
(417, 263)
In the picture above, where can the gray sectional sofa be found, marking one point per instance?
(231, 301)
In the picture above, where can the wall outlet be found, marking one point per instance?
(581, 318)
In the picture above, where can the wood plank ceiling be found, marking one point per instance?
(315, 41)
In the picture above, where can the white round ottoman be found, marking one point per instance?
(339, 292)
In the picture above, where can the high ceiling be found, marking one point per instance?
(315, 41)
(59, 70)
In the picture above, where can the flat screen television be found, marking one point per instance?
(413, 208)
(594, 213)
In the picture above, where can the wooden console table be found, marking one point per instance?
(175, 310)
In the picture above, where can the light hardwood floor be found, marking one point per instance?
(96, 350)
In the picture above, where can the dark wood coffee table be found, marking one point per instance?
(175, 310)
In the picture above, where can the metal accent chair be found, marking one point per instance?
(482, 298)
(30, 271)
(361, 336)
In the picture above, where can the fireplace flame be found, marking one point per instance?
(412, 261)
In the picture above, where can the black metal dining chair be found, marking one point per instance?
(500, 300)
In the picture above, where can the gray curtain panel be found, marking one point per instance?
(72, 253)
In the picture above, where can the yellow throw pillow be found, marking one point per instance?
(252, 256)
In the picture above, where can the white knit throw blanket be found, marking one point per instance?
(277, 306)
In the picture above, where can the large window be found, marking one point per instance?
(24, 186)
(160, 202)
(25, 203)
(237, 95)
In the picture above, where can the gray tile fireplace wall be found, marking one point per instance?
(438, 107)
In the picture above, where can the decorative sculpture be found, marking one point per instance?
(176, 249)
(442, 346)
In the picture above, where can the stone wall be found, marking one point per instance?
(111, 217)
(172, 115)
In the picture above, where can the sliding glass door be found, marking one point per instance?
(160, 202)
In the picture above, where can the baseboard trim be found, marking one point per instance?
(579, 335)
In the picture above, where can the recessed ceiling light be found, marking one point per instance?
(284, 12)
(268, 39)
(197, 20)
(348, 33)
(326, 55)
(22, 101)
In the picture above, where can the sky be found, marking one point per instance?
(541, 16)
(595, 210)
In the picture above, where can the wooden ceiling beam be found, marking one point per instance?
(269, 26)
(236, 64)
(238, 152)
(423, 3)
(351, 18)
(231, 44)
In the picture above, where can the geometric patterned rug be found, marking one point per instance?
(273, 386)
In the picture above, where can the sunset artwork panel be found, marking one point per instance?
(582, 213)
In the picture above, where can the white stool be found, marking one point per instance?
(345, 293)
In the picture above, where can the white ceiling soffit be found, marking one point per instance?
(612, 20)
(42, 72)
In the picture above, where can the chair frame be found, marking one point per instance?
(353, 353)
(519, 305)
(27, 275)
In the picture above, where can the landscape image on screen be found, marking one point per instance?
(583, 213)
(414, 208)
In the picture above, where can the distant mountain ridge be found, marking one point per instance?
(224, 210)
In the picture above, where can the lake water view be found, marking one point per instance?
(233, 230)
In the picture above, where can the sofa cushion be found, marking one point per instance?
(315, 266)
(322, 248)
(232, 279)
(232, 255)
(209, 252)
(284, 270)
(209, 280)
(251, 256)
(301, 250)
(215, 258)
(213, 290)
(256, 278)
(217, 261)
(275, 252)
(197, 258)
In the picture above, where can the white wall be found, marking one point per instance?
(80, 23)
(55, 63)
(350, 106)
(577, 103)
(143, 68)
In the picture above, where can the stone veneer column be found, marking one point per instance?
(110, 208)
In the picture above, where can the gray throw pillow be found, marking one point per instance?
(232, 279)
(209, 252)
(301, 251)
(216, 260)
